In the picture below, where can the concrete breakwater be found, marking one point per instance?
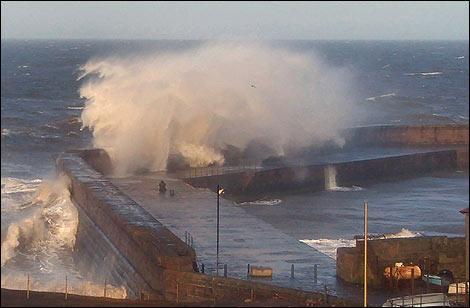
(315, 177)
(421, 135)
(153, 259)
(147, 245)
(433, 148)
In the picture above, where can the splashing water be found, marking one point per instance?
(39, 226)
(329, 246)
(142, 109)
(53, 219)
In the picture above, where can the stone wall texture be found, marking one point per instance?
(431, 254)
(143, 254)
(409, 135)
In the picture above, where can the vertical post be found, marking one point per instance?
(248, 270)
(292, 271)
(218, 197)
(186, 237)
(412, 281)
(202, 268)
(104, 292)
(466, 293)
(225, 270)
(326, 294)
(365, 254)
(27, 289)
(66, 287)
(315, 266)
(177, 293)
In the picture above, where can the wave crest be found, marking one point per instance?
(143, 109)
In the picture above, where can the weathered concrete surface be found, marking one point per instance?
(412, 165)
(96, 256)
(312, 178)
(442, 253)
(244, 239)
(161, 259)
(142, 240)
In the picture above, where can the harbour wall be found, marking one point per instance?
(98, 260)
(452, 141)
(431, 254)
(418, 135)
(143, 241)
(146, 255)
(315, 177)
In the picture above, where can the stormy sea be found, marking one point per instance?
(126, 96)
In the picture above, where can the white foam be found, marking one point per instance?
(431, 74)
(5, 132)
(53, 224)
(329, 246)
(262, 202)
(460, 58)
(373, 98)
(403, 233)
(14, 185)
(423, 74)
(75, 107)
(339, 188)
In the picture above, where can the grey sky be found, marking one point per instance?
(232, 20)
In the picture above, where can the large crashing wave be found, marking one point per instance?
(142, 109)
(39, 226)
(52, 219)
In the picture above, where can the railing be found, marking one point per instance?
(69, 285)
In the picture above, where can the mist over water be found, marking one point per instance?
(195, 102)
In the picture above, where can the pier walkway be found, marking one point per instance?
(244, 239)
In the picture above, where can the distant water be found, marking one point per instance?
(399, 83)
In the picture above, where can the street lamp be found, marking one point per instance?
(219, 192)
(365, 254)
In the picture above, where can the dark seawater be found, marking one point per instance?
(397, 83)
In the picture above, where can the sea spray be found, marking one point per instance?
(142, 109)
(329, 246)
(51, 220)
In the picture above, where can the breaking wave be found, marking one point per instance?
(39, 225)
(51, 219)
(194, 103)
(329, 246)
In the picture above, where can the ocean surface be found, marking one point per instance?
(397, 83)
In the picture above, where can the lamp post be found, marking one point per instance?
(217, 262)
(365, 254)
